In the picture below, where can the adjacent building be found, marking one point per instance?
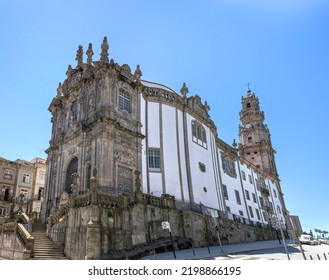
(21, 182)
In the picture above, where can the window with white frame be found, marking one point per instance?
(243, 175)
(3, 211)
(42, 176)
(275, 194)
(26, 178)
(8, 174)
(237, 196)
(199, 135)
(154, 159)
(251, 212)
(258, 215)
(124, 101)
(254, 198)
(247, 195)
(250, 179)
(225, 194)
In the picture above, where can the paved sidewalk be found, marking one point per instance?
(215, 251)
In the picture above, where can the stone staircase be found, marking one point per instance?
(44, 247)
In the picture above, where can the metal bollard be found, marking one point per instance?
(318, 257)
(325, 257)
(311, 257)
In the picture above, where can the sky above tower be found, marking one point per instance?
(217, 47)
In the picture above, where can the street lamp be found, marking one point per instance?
(166, 225)
(281, 231)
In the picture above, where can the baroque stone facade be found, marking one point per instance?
(126, 154)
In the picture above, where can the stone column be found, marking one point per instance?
(93, 242)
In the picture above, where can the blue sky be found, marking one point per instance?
(216, 46)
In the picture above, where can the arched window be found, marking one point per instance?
(199, 135)
(71, 168)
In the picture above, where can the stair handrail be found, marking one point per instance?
(22, 234)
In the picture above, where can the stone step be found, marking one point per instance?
(44, 247)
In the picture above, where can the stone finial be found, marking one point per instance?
(69, 71)
(104, 53)
(90, 53)
(206, 106)
(138, 73)
(234, 144)
(59, 90)
(79, 55)
(184, 90)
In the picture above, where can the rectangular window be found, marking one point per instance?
(6, 194)
(154, 159)
(42, 176)
(241, 213)
(199, 135)
(228, 209)
(251, 212)
(261, 201)
(275, 195)
(254, 197)
(225, 194)
(257, 185)
(257, 213)
(250, 179)
(26, 178)
(41, 193)
(2, 211)
(24, 192)
(243, 175)
(124, 102)
(237, 197)
(8, 174)
(247, 195)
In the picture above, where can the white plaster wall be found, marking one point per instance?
(275, 199)
(233, 184)
(252, 190)
(185, 195)
(153, 134)
(202, 179)
(170, 152)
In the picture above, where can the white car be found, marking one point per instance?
(323, 240)
(308, 239)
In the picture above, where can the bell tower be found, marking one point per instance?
(255, 138)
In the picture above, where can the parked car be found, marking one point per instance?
(323, 240)
(308, 239)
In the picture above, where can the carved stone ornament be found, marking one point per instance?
(79, 55)
(228, 165)
(88, 153)
(138, 74)
(59, 90)
(184, 90)
(125, 157)
(104, 53)
(72, 150)
(90, 53)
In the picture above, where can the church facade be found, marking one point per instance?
(132, 135)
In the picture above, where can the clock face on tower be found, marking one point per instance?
(248, 125)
